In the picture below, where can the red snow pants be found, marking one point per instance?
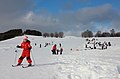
(25, 53)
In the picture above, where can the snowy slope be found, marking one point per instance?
(75, 64)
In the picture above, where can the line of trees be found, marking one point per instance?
(10, 34)
(56, 34)
(32, 32)
(112, 33)
(18, 32)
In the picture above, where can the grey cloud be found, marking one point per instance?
(95, 14)
(86, 18)
(11, 6)
(69, 22)
(83, 19)
(69, 5)
(11, 10)
(100, 14)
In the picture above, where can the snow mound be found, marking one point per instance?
(82, 68)
(77, 63)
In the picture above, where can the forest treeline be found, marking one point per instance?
(19, 32)
(111, 33)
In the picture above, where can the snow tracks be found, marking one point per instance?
(75, 67)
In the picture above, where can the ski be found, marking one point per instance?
(16, 65)
(27, 66)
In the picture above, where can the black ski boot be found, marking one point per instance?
(29, 64)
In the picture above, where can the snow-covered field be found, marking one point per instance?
(75, 64)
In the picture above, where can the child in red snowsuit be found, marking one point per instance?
(54, 49)
(25, 45)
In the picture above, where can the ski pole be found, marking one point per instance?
(33, 58)
(15, 57)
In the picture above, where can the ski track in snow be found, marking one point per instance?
(83, 68)
(81, 64)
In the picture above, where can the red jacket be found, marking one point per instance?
(54, 47)
(26, 45)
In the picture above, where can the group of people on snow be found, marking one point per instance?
(94, 44)
(26, 46)
(57, 49)
(45, 44)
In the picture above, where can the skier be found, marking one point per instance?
(60, 44)
(109, 44)
(46, 44)
(35, 44)
(94, 44)
(25, 45)
(104, 45)
(54, 48)
(59, 49)
(40, 45)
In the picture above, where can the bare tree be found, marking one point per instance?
(112, 33)
(52, 35)
(46, 35)
(105, 34)
(56, 34)
(117, 34)
(61, 34)
(87, 34)
(98, 34)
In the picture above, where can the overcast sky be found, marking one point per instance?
(69, 16)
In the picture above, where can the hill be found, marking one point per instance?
(77, 63)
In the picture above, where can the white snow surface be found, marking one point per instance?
(75, 64)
